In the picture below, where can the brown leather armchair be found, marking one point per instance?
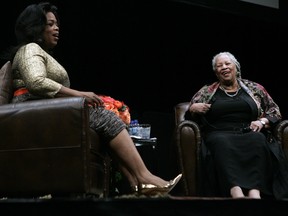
(187, 140)
(47, 147)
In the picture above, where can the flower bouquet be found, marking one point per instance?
(118, 107)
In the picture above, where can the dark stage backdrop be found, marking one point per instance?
(153, 54)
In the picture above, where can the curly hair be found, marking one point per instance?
(232, 58)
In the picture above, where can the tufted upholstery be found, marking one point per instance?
(187, 140)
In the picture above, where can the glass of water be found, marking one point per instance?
(144, 131)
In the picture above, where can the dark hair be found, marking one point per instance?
(30, 25)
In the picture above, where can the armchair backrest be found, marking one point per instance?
(179, 111)
(6, 88)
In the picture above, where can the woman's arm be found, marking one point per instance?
(91, 97)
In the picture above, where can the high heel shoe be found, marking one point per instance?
(151, 189)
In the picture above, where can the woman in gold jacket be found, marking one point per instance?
(37, 75)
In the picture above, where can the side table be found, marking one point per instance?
(147, 148)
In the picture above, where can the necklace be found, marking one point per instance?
(229, 95)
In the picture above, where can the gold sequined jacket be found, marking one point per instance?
(37, 71)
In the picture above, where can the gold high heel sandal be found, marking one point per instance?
(151, 189)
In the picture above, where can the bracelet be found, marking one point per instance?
(262, 122)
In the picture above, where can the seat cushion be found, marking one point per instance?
(6, 88)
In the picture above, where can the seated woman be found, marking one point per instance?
(38, 75)
(235, 116)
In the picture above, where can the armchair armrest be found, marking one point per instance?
(47, 147)
(281, 134)
(21, 123)
(187, 139)
(188, 144)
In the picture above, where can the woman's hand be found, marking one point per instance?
(259, 124)
(200, 108)
(92, 98)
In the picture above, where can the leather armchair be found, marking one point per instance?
(187, 140)
(47, 147)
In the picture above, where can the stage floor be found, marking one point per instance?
(169, 205)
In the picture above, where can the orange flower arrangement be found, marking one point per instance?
(118, 107)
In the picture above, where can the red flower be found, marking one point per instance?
(118, 107)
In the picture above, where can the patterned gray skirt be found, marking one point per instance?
(106, 123)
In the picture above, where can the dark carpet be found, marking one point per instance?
(126, 205)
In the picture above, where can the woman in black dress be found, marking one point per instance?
(235, 115)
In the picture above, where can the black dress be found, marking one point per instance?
(233, 154)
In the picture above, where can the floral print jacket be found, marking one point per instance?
(266, 106)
